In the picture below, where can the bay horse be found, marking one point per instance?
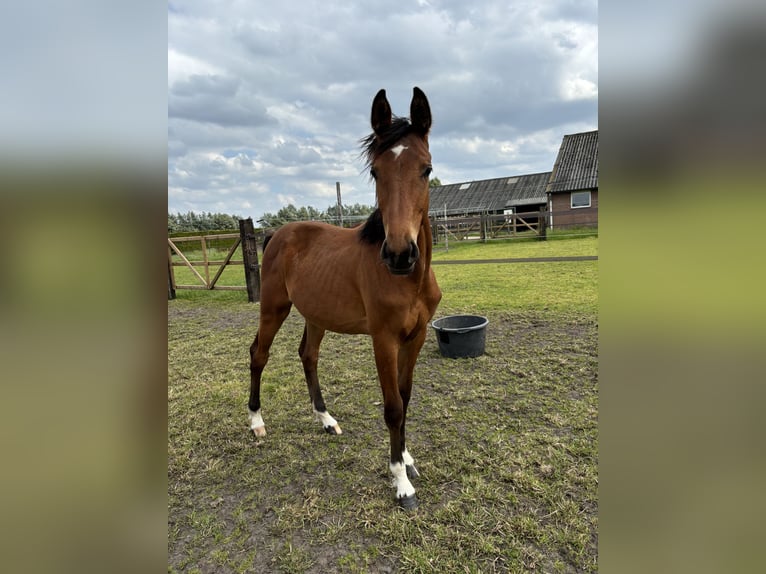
(375, 279)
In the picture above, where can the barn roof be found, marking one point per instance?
(490, 194)
(576, 166)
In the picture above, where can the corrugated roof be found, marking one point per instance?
(490, 194)
(576, 166)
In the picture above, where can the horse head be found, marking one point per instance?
(400, 164)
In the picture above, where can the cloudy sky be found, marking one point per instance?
(267, 100)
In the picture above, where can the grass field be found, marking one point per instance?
(507, 443)
(523, 286)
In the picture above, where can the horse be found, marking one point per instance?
(375, 279)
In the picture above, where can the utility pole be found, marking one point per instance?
(340, 204)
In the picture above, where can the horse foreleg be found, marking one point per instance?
(386, 361)
(309, 353)
(408, 356)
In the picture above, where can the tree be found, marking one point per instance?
(349, 210)
(190, 221)
(284, 215)
(309, 213)
(434, 182)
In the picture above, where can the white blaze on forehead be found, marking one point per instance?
(397, 150)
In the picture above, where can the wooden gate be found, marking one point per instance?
(490, 226)
(246, 238)
(205, 282)
(513, 224)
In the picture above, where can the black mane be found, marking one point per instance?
(377, 143)
(372, 230)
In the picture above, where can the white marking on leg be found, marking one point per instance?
(327, 421)
(397, 150)
(409, 464)
(256, 423)
(403, 485)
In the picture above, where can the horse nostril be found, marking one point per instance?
(385, 254)
(414, 252)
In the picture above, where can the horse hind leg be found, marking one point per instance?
(270, 322)
(309, 354)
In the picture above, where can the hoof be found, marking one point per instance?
(412, 472)
(333, 430)
(407, 502)
(259, 431)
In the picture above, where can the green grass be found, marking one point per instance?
(520, 286)
(514, 248)
(507, 443)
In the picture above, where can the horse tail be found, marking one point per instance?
(267, 238)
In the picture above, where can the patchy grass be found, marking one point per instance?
(506, 443)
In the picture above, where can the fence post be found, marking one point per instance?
(171, 281)
(203, 241)
(542, 228)
(250, 259)
(340, 204)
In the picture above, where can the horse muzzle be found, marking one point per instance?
(402, 263)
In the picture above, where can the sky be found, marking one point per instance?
(267, 101)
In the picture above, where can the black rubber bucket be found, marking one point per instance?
(461, 335)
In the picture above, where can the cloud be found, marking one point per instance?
(182, 66)
(289, 85)
(215, 99)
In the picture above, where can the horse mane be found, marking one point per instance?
(377, 143)
(374, 145)
(372, 230)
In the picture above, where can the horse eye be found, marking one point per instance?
(373, 173)
(427, 171)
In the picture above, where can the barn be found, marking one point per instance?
(569, 195)
(490, 208)
(573, 187)
(503, 195)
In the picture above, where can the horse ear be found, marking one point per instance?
(420, 112)
(381, 113)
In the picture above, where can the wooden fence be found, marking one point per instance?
(486, 226)
(461, 228)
